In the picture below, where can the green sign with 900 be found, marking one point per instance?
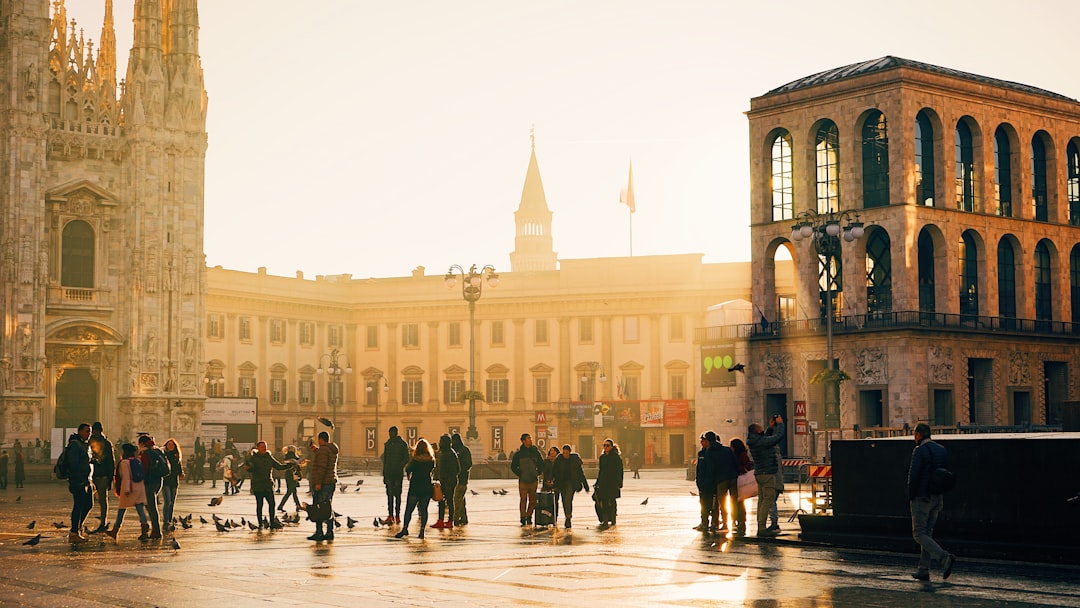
(715, 361)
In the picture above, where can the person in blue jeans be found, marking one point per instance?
(170, 484)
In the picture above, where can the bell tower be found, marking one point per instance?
(533, 247)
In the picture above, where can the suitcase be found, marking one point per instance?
(547, 509)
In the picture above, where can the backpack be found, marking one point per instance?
(159, 464)
(61, 469)
(138, 473)
(942, 480)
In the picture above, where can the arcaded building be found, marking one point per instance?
(959, 302)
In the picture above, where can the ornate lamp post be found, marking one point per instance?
(588, 375)
(472, 287)
(334, 373)
(825, 232)
(373, 396)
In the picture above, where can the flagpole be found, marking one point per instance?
(631, 234)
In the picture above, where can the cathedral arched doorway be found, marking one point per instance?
(76, 398)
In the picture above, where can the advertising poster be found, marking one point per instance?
(652, 414)
(676, 413)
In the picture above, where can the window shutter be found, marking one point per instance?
(405, 392)
(446, 391)
(419, 391)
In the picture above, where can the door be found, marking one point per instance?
(76, 398)
(677, 448)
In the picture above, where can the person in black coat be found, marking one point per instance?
(608, 485)
(706, 483)
(449, 467)
(104, 469)
(568, 477)
(528, 465)
(80, 469)
(465, 463)
(926, 502)
(395, 457)
(292, 478)
(420, 487)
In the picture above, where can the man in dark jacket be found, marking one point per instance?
(323, 481)
(569, 475)
(925, 503)
(149, 454)
(395, 457)
(80, 470)
(726, 472)
(527, 464)
(766, 468)
(706, 482)
(461, 516)
(259, 467)
(104, 468)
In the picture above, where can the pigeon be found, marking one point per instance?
(326, 421)
(359, 482)
(343, 487)
(252, 526)
(202, 520)
(495, 492)
(215, 501)
(693, 493)
(337, 524)
(175, 545)
(18, 499)
(503, 491)
(356, 490)
(738, 367)
(352, 522)
(645, 502)
(59, 525)
(185, 525)
(376, 522)
(474, 492)
(336, 514)
(31, 525)
(33, 541)
(242, 522)
(220, 527)
(188, 518)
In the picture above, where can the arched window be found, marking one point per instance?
(965, 168)
(1006, 279)
(1038, 178)
(1002, 173)
(927, 301)
(1074, 283)
(782, 182)
(1073, 184)
(969, 276)
(77, 255)
(1043, 306)
(878, 273)
(827, 154)
(875, 160)
(924, 160)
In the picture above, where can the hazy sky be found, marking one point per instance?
(353, 136)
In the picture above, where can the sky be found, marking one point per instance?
(369, 138)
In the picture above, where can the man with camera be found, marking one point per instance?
(766, 469)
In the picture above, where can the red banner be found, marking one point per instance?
(677, 413)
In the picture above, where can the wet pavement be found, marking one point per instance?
(651, 558)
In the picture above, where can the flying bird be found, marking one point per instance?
(215, 501)
(326, 421)
(359, 482)
(738, 367)
(645, 502)
(175, 545)
(30, 526)
(33, 541)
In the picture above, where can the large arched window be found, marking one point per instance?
(1003, 172)
(924, 160)
(782, 182)
(1073, 184)
(1074, 283)
(969, 275)
(927, 298)
(1038, 178)
(1006, 259)
(827, 160)
(1043, 306)
(875, 160)
(965, 168)
(77, 255)
(878, 273)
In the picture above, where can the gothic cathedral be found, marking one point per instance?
(101, 223)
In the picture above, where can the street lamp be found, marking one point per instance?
(472, 287)
(825, 232)
(334, 373)
(588, 373)
(370, 383)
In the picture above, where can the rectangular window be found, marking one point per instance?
(452, 390)
(585, 331)
(497, 333)
(335, 393)
(633, 388)
(247, 387)
(245, 329)
(277, 331)
(677, 384)
(676, 328)
(410, 335)
(630, 329)
(540, 332)
(412, 392)
(333, 335)
(214, 327)
(540, 389)
(453, 334)
(307, 333)
(498, 390)
(277, 391)
(373, 336)
(307, 392)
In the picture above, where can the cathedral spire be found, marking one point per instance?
(532, 241)
(186, 101)
(106, 60)
(145, 87)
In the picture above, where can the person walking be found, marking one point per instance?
(130, 491)
(20, 469)
(152, 458)
(395, 458)
(292, 478)
(608, 485)
(527, 464)
(170, 484)
(927, 502)
(448, 468)
(568, 478)
(421, 488)
(80, 473)
(104, 469)
(3, 469)
(465, 463)
(260, 468)
(198, 471)
(323, 482)
(742, 465)
(214, 460)
(765, 469)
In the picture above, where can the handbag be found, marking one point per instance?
(747, 485)
(319, 511)
(436, 492)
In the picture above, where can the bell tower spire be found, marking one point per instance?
(185, 106)
(532, 240)
(106, 61)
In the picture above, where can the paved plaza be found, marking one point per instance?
(651, 558)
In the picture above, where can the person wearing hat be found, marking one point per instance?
(706, 482)
(717, 479)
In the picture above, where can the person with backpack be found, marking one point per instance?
(926, 502)
(157, 469)
(395, 457)
(527, 464)
(171, 482)
(130, 491)
(104, 469)
(76, 465)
